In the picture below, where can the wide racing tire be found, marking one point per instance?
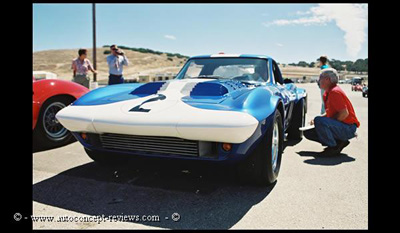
(262, 167)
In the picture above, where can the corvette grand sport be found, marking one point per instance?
(221, 108)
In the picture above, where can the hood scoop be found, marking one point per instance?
(208, 89)
(217, 88)
(214, 92)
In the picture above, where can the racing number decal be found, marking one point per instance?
(139, 109)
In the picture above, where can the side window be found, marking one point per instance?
(272, 73)
(265, 70)
(277, 73)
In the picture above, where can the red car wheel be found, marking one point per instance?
(48, 131)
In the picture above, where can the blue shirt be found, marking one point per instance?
(116, 63)
(324, 66)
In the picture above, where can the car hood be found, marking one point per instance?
(188, 90)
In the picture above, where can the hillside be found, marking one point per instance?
(59, 62)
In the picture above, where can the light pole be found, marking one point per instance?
(94, 46)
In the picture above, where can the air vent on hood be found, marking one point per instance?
(209, 89)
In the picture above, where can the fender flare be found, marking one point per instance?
(100, 95)
(302, 94)
(256, 104)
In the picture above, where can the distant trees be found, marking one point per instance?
(360, 65)
(303, 64)
(143, 50)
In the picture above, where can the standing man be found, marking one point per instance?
(116, 60)
(339, 124)
(322, 64)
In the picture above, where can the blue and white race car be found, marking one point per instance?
(221, 108)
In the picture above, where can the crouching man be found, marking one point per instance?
(339, 122)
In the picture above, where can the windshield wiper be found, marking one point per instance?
(247, 83)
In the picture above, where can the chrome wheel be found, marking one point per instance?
(51, 126)
(275, 146)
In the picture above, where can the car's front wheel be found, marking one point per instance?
(263, 165)
(48, 131)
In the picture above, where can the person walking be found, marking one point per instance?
(81, 67)
(116, 60)
(322, 64)
(339, 123)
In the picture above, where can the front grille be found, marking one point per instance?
(150, 144)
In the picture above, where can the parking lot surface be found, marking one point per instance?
(311, 192)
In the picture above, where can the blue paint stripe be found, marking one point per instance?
(148, 89)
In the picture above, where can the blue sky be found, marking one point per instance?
(287, 32)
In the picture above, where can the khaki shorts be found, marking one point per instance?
(82, 79)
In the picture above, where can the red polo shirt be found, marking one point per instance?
(336, 100)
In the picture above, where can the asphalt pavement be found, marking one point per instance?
(311, 192)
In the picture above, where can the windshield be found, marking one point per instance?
(241, 69)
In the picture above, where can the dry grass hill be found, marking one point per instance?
(59, 62)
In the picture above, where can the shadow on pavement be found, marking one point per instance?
(325, 161)
(206, 196)
(290, 142)
(39, 148)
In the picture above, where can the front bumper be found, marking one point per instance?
(208, 151)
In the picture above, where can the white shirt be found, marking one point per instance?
(116, 63)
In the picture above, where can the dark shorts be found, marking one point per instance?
(115, 79)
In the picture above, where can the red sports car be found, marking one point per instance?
(356, 87)
(50, 96)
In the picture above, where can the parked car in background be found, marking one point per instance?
(365, 91)
(356, 87)
(314, 79)
(356, 84)
(220, 108)
(356, 80)
(49, 97)
(39, 75)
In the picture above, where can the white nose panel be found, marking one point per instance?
(161, 114)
